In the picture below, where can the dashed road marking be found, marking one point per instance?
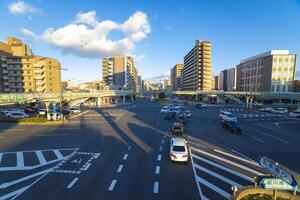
(158, 157)
(112, 185)
(160, 148)
(157, 169)
(120, 169)
(129, 148)
(72, 183)
(125, 157)
(155, 187)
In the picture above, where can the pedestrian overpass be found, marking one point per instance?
(14, 98)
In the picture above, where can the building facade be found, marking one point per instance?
(272, 71)
(176, 77)
(216, 83)
(20, 71)
(197, 70)
(227, 79)
(119, 72)
(296, 86)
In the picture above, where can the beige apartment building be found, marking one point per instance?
(176, 77)
(197, 70)
(20, 71)
(272, 71)
(119, 72)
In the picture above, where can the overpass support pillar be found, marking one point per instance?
(247, 102)
(197, 97)
(99, 101)
(251, 102)
(124, 99)
(132, 98)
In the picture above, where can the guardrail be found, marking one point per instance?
(12, 98)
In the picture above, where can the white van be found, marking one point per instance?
(227, 116)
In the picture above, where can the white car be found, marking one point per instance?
(280, 111)
(188, 113)
(16, 115)
(175, 110)
(295, 113)
(42, 111)
(267, 109)
(227, 116)
(178, 150)
(75, 110)
(165, 109)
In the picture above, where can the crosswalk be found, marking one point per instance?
(28, 160)
(250, 115)
(217, 170)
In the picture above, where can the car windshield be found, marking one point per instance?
(178, 148)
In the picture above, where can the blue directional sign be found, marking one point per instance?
(275, 184)
(277, 170)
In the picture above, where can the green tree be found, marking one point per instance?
(161, 95)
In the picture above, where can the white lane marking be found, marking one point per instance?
(244, 156)
(223, 168)
(72, 183)
(1, 155)
(14, 193)
(199, 145)
(194, 170)
(79, 114)
(86, 167)
(155, 187)
(41, 157)
(160, 148)
(213, 187)
(222, 178)
(112, 185)
(255, 138)
(120, 169)
(20, 159)
(229, 162)
(158, 157)
(237, 157)
(58, 154)
(37, 180)
(274, 137)
(125, 157)
(157, 169)
(12, 130)
(163, 141)
(50, 135)
(129, 148)
(5, 185)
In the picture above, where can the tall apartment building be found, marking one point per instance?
(119, 72)
(20, 71)
(227, 79)
(197, 70)
(176, 77)
(216, 83)
(272, 71)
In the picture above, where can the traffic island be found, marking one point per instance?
(34, 120)
(251, 193)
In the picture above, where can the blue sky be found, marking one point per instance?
(159, 33)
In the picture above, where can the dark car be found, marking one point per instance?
(181, 118)
(199, 106)
(177, 128)
(169, 115)
(232, 126)
(29, 110)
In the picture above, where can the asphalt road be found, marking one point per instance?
(123, 153)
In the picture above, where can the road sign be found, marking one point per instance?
(277, 170)
(275, 184)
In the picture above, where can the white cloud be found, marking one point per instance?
(23, 8)
(88, 37)
(139, 58)
(88, 18)
(28, 33)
